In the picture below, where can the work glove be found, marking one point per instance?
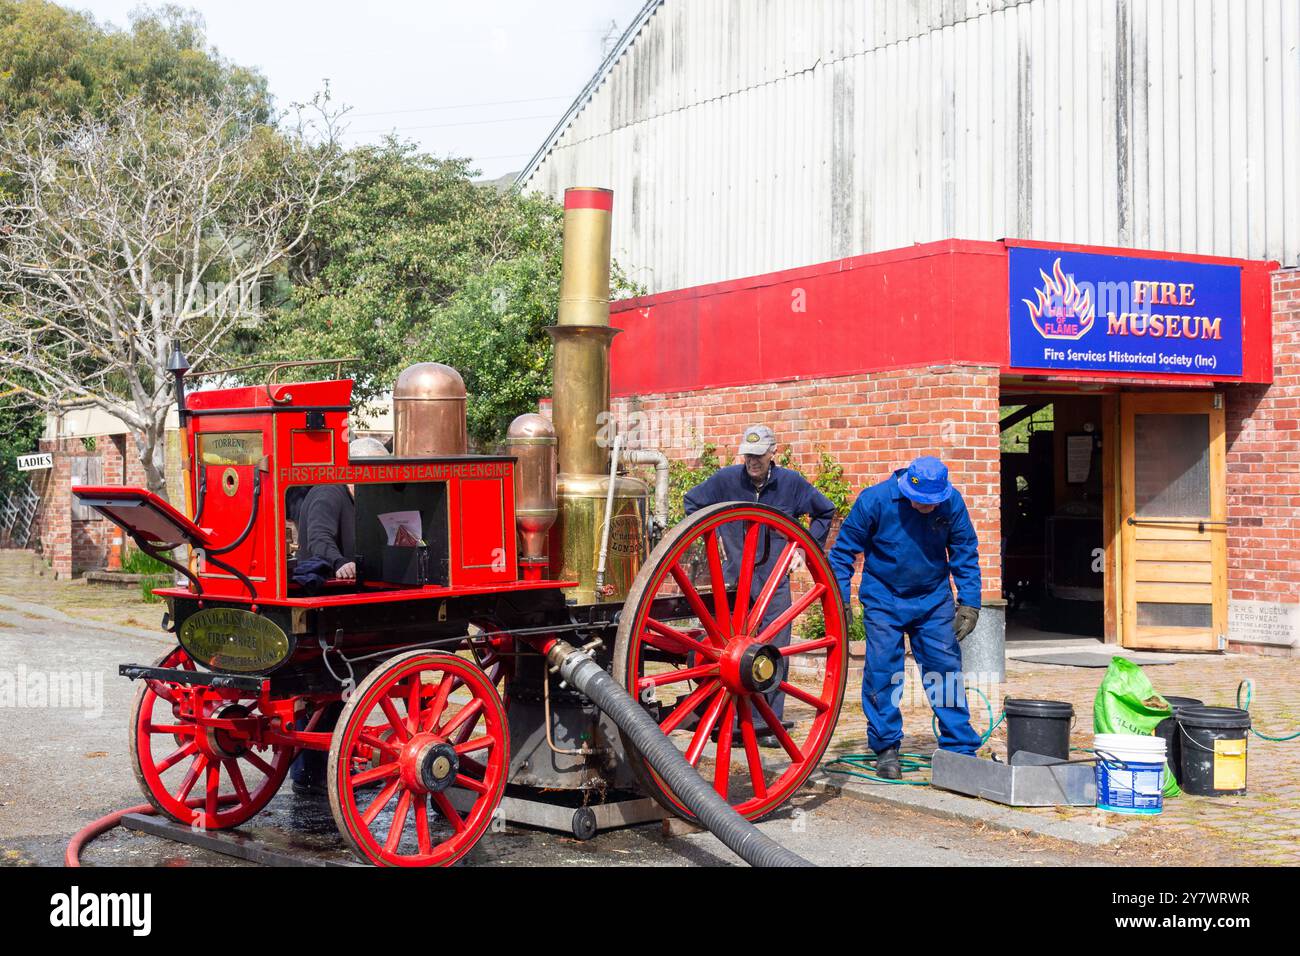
(964, 622)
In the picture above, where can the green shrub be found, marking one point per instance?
(135, 561)
(147, 584)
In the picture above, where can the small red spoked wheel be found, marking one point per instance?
(193, 755)
(704, 663)
(440, 729)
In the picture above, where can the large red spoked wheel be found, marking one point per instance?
(193, 754)
(439, 729)
(702, 663)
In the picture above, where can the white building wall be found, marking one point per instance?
(746, 136)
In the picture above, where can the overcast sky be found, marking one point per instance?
(485, 78)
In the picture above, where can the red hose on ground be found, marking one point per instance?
(72, 856)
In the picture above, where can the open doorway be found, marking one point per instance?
(1053, 505)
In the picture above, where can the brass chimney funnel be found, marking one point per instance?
(588, 511)
(581, 335)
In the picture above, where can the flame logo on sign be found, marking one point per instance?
(1063, 310)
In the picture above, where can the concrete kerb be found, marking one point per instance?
(952, 806)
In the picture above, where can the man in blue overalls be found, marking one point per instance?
(781, 488)
(915, 532)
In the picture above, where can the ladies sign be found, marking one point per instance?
(1077, 310)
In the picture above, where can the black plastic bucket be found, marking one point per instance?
(1168, 729)
(1214, 750)
(1039, 727)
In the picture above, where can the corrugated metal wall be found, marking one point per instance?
(745, 136)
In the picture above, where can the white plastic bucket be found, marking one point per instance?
(1130, 773)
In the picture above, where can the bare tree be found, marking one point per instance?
(152, 228)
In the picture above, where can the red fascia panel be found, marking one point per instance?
(939, 303)
(917, 306)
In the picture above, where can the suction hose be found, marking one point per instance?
(739, 835)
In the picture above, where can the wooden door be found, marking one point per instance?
(1173, 521)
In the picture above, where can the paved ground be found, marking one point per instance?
(1261, 827)
(63, 766)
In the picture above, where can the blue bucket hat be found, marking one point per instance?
(926, 481)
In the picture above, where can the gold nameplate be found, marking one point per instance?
(228, 639)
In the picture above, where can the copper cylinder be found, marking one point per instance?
(429, 412)
(531, 440)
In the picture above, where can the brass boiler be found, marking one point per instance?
(580, 411)
(429, 412)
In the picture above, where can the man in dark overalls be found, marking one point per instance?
(757, 479)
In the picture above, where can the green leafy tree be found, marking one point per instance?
(56, 60)
(418, 263)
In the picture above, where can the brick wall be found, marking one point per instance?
(73, 545)
(871, 424)
(1263, 442)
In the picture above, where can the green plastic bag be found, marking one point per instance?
(1127, 704)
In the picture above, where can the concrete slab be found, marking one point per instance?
(953, 806)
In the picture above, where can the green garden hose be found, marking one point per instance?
(861, 765)
(1249, 686)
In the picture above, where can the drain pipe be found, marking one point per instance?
(647, 456)
(578, 669)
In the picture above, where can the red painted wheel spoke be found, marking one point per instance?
(445, 687)
(688, 704)
(192, 776)
(469, 783)
(722, 760)
(376, 773)
(748, 555)
(213, 790)
(697, 606)
(774, 725)
(790, 613)
(779, 571)
(399, 822)
(380, 801)
(187, 729)
(474, 746)
(259, 763)
(718, 583)
(394, 718)
(422, 824)
(798, 693)
(448, 811)
(413, 704)
(677, 676)
(677, 637)
(807, 646)
(176, 756)
(707, 722)
(237, 778)
(757, 778)
(473, 709)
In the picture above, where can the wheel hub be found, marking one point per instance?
(748, 667)
(428, 764)
(220, 741)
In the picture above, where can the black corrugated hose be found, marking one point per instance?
(726, 824)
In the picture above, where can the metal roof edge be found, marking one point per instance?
(583, 98)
